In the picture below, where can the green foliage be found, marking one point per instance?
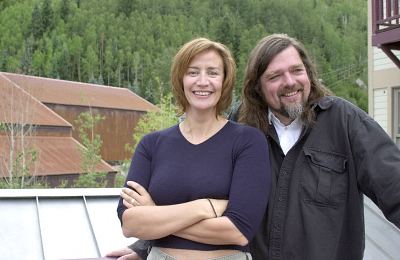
(65, 9)
(42, 19)
(91, 180)
(152, 121)
(130, 43)
(31, 183)
(91, 141)
(22, 166)
(120, 179)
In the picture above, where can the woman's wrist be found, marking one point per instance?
(204, 208)
(212, 207)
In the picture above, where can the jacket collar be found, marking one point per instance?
(324, 103)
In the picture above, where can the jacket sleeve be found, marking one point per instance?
(377, 159)
(141, 247)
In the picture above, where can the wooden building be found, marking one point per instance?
(120, 107)
(30, 127)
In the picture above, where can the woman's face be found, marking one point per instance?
(202, 82)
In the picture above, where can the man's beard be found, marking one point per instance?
(292, 111)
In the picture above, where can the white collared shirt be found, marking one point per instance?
(287, 134)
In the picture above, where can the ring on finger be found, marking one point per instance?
(133, 201)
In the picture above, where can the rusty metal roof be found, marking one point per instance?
(18, 106)
(55, 155)
(81, 94)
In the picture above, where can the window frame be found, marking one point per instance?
(396, 116)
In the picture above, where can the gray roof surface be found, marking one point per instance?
(82, 223)
(382, 238)
(59, 223)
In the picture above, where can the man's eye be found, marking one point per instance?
(299, 70)
(273, 77)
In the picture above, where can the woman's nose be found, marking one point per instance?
(203, 79)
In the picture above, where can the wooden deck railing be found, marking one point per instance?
(386, 27)
(385, 15)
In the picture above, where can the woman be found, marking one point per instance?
(199, 189)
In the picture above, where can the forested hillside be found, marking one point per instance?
(130, 43)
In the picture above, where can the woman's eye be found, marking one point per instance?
(192, 73)
(213, 73)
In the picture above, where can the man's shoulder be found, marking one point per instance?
(334, 102)
(338, 109)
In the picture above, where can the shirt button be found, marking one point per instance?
(277, 227)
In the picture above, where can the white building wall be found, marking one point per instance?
(380, 108)
(381, 61)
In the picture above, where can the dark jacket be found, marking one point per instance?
(316, 209)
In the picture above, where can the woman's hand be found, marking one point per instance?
(124, 254)
(136, 195)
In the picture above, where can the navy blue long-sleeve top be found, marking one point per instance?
(233, 164)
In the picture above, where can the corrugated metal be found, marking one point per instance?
(55, 156)
(82, 94)
(115, 130)
(49, 224)
(120, 108)
(52, 224)
(382, 238)
(17, 106)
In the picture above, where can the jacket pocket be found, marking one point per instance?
(324, 180)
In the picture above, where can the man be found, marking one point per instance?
(325, 154)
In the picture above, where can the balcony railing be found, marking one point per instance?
(385, 15)
(386, 27)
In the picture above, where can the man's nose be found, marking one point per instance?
(289, 79)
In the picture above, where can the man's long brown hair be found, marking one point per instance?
(254, 108)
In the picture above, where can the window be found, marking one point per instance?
(396, 116)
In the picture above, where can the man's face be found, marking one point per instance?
(286, 85)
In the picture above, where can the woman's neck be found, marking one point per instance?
(196, 129)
